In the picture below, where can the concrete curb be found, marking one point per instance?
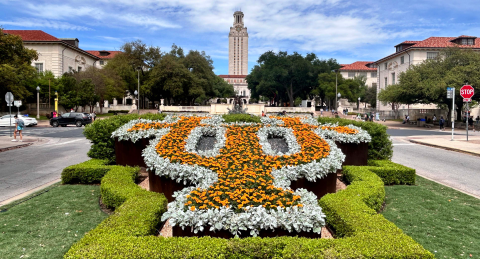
(25, 194)
(446, 148)
(15, 147)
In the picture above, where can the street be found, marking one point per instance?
(457, 170)
(26, 168)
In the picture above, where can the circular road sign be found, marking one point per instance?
(466, 91)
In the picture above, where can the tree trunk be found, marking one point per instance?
(459, 112)
(290, 94)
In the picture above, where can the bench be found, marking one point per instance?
(427, 125)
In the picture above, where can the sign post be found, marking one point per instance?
(451, 94)
(467, 93)
(17, 104)
(9, 100)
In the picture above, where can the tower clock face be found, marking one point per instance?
(239, 28)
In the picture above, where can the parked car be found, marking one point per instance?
(71, 118)
(28, 121)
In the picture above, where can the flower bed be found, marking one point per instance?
(241, 185)
(130, 231)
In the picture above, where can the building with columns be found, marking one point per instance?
(238, 57)
(410, 53)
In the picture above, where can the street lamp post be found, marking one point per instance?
(138, 102)
(38, 102)
(138, 69)
(336, 88)
(358, 105)
(336, 103)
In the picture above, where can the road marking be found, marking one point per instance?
(68, 142)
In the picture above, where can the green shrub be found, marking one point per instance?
(381, 146)
(100, 132)
(241, 118)
(352, 212)
(393, 173)
(88, 172)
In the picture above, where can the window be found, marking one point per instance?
(374, 74)
(70, 69)
(467, 42)
(402, 60)
(386, 66)
(79, 69)
(393, 78)
(432, 55)
(39, 67)
(362, 74)
(386, 82)
(101, 63)
(351, 74)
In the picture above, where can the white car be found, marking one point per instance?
(28, 121)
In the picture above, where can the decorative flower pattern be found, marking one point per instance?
(241, 184)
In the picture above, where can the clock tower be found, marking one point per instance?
(238, 46)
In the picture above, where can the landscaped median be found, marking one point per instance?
(361, 233)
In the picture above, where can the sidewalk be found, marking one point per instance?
(7, 144)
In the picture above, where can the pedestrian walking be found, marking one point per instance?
(321, 112)
(19, 124)
(441, 121)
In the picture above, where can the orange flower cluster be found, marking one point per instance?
(340, 129)
(244, 171)
(147, 126)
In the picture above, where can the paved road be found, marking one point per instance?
(49, 132)
(26, 168)
(415, 132)
(454, 169)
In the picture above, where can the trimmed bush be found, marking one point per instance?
(381, 146)
(241, 118)
(352, 212)
(88, 172)
(100, 132)
(393, 173)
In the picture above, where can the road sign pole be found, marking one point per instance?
(10, 112)
(468, 115)
(453, 112)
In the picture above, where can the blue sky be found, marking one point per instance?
(345, 30)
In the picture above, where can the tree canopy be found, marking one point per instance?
(16, 71)
(283, 77)
(427, 82)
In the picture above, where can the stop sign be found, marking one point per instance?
(466, 91)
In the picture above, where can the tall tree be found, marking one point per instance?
(16, 73)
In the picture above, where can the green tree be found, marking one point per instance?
(371, 97)
(281, 76)
(16, 73)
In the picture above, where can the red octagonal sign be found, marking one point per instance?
(466, 91)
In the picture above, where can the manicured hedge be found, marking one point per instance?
(91, 171)
(393, 173)
(130, 232)
(241, 118)
(381, 146)
(100, 132)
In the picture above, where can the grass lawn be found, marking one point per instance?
(47, 225)
(445, 221)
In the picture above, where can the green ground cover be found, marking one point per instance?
(47, 225)
(443, 220)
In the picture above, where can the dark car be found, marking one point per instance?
(71, 118)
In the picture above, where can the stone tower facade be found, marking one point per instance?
(238, 46)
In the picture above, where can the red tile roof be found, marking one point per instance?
(358, 66)
(434, 43)
(232, 76)
(112, 54)
(32, 35)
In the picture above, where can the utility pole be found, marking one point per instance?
(49, 95)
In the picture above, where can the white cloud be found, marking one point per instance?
(42, 23)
